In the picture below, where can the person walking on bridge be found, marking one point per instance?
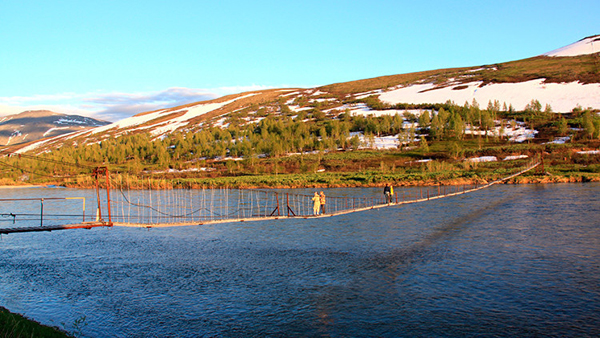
(322, 201)
(387, 193)
(316, 203)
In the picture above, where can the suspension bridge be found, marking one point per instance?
(116, 204)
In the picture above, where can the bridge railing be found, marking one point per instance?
(196, 206)
(26, 212)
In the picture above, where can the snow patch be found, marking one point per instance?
(589, 45)
(318, 93)
(515, 157)
(367, 94)
(377, 142)
(170, 125)
(560, 140)
(53, 129)
(562, 97)
(37, 144)
(364, 110)
(71, 121)
(589, 152)
(482, 159)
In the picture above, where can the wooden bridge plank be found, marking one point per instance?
(54, 227)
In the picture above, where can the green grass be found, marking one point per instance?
(583, 68)
(16, 326)
(366, 168)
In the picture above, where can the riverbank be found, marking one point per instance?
(326, 180)
(425, 175)
(337, 173)
(20, 186)
(434, 165)
(16, 326)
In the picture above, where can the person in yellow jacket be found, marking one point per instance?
(388, 192)
(322, 201)
(316, 203)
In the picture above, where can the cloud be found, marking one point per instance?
(115, 106)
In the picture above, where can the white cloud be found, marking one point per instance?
(115, 106)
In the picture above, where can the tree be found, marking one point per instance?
(423, 145)
(588, 125)
(285, 110)
(369, 140)
(354, 142)
(534, 107)
(502, 130)
(487, 123)
(397, 123)
(406, 136)
(456, 125)
(437, 128)
(424, 119)
(455, 149)
(490, 106)
(562, 126)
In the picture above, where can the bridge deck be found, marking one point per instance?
(87, 225)
(336, 213)
(306, 212)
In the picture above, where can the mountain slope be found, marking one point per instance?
(589, 45)
(34, 125)
(562, 79)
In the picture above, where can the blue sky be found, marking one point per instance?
(112, 59)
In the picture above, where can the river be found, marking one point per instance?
(511, 260)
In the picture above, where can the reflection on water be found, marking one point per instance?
(506, 261)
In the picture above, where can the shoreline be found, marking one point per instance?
(14, 324)
(20, 186)
(182, 184)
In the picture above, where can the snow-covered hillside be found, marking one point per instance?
(562, 83)
(179, 118)
(589, 45)
(562, 97)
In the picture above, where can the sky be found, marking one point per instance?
(114, 59)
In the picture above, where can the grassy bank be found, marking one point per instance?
(363, 168)
(431, 173)
(16, 326)
(425, 174)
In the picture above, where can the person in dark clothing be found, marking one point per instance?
(387, 193)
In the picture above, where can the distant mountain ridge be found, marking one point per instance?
(34, 125)
(562, 79)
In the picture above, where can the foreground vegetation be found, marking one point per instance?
(16, 326)
(562, 163)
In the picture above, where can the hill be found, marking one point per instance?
(562, 80)
(31, 126)
(445, 121)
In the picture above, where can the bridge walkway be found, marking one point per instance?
(181, 207)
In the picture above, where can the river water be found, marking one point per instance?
(503, 262)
